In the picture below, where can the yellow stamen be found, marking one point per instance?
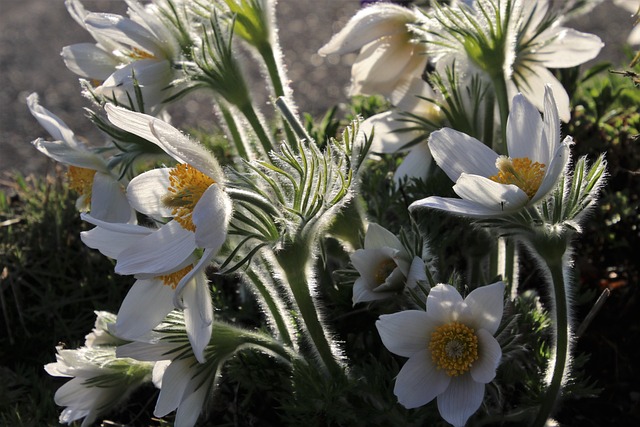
(454, 348)
(187, 185)
(522, 172)
(137, 54)
(172, 279)
(81, 180)
(384, 270)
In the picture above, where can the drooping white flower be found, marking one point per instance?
(387, 54)
(99, 381)
(514, 40)
(492, 185)
(384, 265)
(100, 192)
(139, 48)
(451, 349)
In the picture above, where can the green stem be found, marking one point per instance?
(243, 151)
(510, 264)
(561, 345)
(295, 260)
(266, 51)
(255, 123)
(272, 305)
(500, 87)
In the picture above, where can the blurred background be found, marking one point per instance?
(33, 32)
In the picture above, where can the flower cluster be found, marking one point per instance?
(469, 87)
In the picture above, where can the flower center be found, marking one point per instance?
(454, 348)
(186, 186)
(81, 180)
(172, 279)
(384, 270)
(137, 54)
(522, 172)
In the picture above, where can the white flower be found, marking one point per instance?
(491, 185)
(384, 266)
(451, 349)
(99, 381)
(100, 192)
(396, 130)
(387, 56)
(541, 45)
(140, 47)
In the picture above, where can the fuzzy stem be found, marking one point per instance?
(561, 320)
(275, 72)
(294, 260)
(257, 127)
(272, 305)
(500, 86)
(243, 151)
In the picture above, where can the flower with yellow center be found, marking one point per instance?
(492, 185)
(450, 347)
(99, 191)
(384, 266)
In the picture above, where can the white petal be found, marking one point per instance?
(362, 292)
(147, 191)
(181, 147)
(405, 333)
(50, 122)
(159, 369)
(89, 61)
(524, 130)
(417, 272)
(191, 407)
(379, 237)
(174, 382)
(568, 48)
(204, 261)
(144, 307)
(554, 170)
(72, 155)
(382, 61)
(416, 164)
(369, 24)
(484, 307)
(162, 251)
(551, 126)
(462, 399)
(443, 303)
(368, 262)
(112, 239)
(409, 95)
(503, 198)
(386, 128)
(108, 200)
(198, 316)
(147, 352)
(211, 217)
(456, 152)
(419, 381)
(456, 207)
(483, 370)
(535, 79)
(124, 31)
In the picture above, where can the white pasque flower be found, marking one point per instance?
(387, 56)
(492, 185)
(178, 283)
(451, 349)
(384, 266)
(542, 45)
(100, 191)
(397, 130)
(140, 47)
(99, 381)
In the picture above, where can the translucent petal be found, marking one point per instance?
(405, 333)
(174, 382)
(89, 61)
(109, 201)
(456, 207)
(483, 370)
(198, 315)
(144, 307)
(484, 306)
(211, 217)
(566, 47)
(444, 303)
(502, 198)
(456, 152)
(525, 131)
(379, 237)
(147, 191)
(462, 399)
(419, 381)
